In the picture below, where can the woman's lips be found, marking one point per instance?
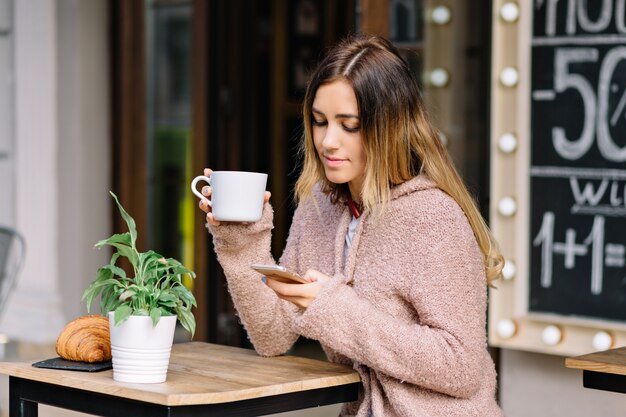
(334, 162)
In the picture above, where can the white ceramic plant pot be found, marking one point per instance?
(141, 352)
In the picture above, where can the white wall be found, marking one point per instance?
(84, 146)
(539, 385)
(62, 160)
(33, 312)
(6, 115)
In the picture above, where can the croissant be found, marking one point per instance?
(85, 339)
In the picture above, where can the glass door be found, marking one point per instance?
(168, 127)
(152, 120)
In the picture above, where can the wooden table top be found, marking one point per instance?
(203, 373)
(611, 361)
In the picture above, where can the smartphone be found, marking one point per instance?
(279, 273)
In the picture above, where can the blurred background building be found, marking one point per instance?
(137, 96)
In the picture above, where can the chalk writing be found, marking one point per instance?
(570, 249)
(578, 158)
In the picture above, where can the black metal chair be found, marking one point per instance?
(12, 253)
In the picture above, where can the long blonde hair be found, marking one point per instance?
(400, 141)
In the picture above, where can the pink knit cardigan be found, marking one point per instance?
(407, 310)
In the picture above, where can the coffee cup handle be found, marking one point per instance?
(195, 190)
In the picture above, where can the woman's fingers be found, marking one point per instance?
(283, 288)
(301, 302)
(299, 294)
(211, 220)
(204, 203)
(298, 301)
(312, 275)
(266, 197)
(206, 191)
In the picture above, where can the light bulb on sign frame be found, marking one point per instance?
(506, 328)
(509, 77)
(602, 340)
(509, 12)
(507, 206)
(439, 77)
(509, 270)
(551, 335)
(507, 143)
(443, 138)
(441, 15)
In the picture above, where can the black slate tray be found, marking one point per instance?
(60, 363)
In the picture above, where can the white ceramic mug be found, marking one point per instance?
(236, 196)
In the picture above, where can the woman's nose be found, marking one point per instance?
(331, 140)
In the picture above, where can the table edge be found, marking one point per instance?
(593, 366)
(21, 370)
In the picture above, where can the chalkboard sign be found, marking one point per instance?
(577, 242)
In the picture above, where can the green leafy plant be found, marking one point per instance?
(155, 290)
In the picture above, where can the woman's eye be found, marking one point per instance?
(351, 129)
(319, 122)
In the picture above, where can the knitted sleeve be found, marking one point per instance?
(267, 319)
(445, 284)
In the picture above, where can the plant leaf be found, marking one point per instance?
(155, 315)
(120, 238)
(116, 270)
(167, 296)
(123, 243)
(89, 295)
(126, 295)
(122, 313)
(109, 283)
(102, 275)
(184, 294)
(187, 320)
(114, 258)
(94, 289)
(132, 228)
(110, 299)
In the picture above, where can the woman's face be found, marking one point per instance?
(337, 135)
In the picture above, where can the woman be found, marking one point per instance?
(396, 252)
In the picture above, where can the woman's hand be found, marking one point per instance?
(204, 203)
(300, 294)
